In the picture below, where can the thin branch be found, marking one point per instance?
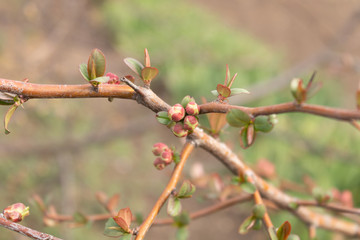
(355, 124)
(188, 148)
(32, 90)
(330, 206)
(209, 210)
(31, 233)
(335, 113)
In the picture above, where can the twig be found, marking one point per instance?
(355, 124)
(258, 200)
(335, 113)
(209, 210)
(330, 206)
(31, 233)
(188, 148)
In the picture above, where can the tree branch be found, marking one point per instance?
(25, 230)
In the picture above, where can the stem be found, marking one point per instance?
(188, 148)
(258, 200)
(333, 207)
(25, 230)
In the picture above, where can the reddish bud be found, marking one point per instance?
(176, 112)
(16, 212)
(159, 164)
(167, 156)
(179, 130)
(113, 78)
(192, 108)
(158, 148)
(190, 123)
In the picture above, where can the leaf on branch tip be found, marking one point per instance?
(247, 224)
(148, 74)
(263, 124)
(284, 231)
(7, 98)
(83, 71)
(134, 65)
(96, 64)
(112, 229)
(163, 117)
(237, 91)
(224, 91)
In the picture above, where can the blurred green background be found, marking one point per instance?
(67, 150)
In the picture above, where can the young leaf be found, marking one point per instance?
(237, 91)
(174, 206)
(257, 224)
(283, 231)
(182, 233)
(148, 74)
(247, 224)
(134, 65)
(247, 136)
(163, 117)
(183, 219)
(8, 116)
(112, 229)
(147, 58)
(227, 76)
(7, 98)
(83, 71)
(238, 118)
(263, 124)
(96, 64)
(186, 190)
(176, 158)
(125, 214)
(122, 224)
(224, 91)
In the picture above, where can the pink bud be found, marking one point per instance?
(192, 108)
(167, 156)
(16, 212)
(179, 130)
(176, 112)
(190, 123)
(113, 78)
(159, 164)
(158, 148)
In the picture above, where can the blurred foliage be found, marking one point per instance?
(188, 45)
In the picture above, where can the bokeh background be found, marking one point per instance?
(67, 150)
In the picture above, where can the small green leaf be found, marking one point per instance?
(96, 64)
(183, 219)
(186, 190)
(139, 218)
(263, 124)
(176, 158)
(7, 98)
(272, 233)
(248, 187)
(99, 80)
(148, 74)
(163, 117)
(134, 65)
(80, 218)
(84, 72)
(182, 233)
(257, 224)
(223, 90)
(237, 91)
(247, 224)
(237, 118)
(174, 206)
(247, 136)
(112, 229)
(283, 231)
(8, 116)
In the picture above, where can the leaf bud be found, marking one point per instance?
(176, 112)
(186, 100)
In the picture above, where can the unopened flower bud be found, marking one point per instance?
(16, 212)
(176, 112)
(186, 100)
(179, 130)
(159, 164)
(192, 108)
(113, 78)
(158, 148)
(167, 156)
(190, 123)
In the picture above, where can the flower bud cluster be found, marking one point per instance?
(16, 212)
(185, 116)
(164, 155)
(113, 78)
